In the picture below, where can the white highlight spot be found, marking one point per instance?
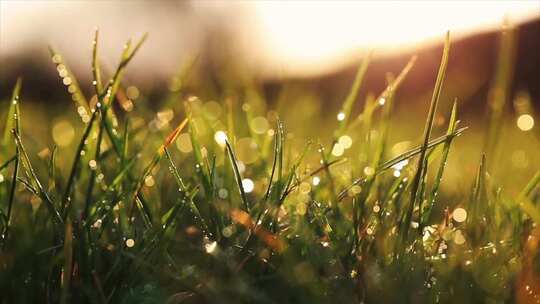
(220, 137)
(248, 185)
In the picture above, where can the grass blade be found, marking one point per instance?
(452, 125)
(168, 220)
(55, 215)
(66, 75)
(531, 185)
(96, 72)
(7, 162)
(427, 133)
(11, 120)
(14, 118)
(346, 109)
(66, 199)
(145, 211)
(68, 263)
(237, 176)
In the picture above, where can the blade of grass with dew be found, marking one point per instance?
(405, 156)
(85, 234)
(108, 95)
(393, 194)
(122, 175)
(69, 79)
(13, 109)
(386, 99)
(98, 90)
(108, 118)
(273, 189)
(277, 148)
(12, 123)
(145, 212)
(347, 106)
(55, 215)
(203, 171)
(292, 172)
(96, 71)
(427, 132)
(237, 176)
(98, 87)
(452, 125)
(184, 195)
(203, 175)
(415, 151)
(66, 199)
(26, 184)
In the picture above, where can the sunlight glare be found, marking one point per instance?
(326, 32)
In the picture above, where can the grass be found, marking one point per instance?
(247, 211)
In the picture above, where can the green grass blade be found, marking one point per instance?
(415, 151)
(99, 89)
(92, 178)
(530, 209)
(452, 125)
(13, 123)
(139, 203)
(7, 162)
(66, 199)
(96, 72)
(64, 73)
(55, 215)
(529, 188)
(237, 176)
(427, 132)
(185, 198)
(200, 167)
(387, 100)
(10, 119)
(11, 199)
(347, 107)
(405, 156)
(277, 147)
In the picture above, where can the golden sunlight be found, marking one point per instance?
(327, 33)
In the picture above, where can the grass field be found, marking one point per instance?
(123, 199)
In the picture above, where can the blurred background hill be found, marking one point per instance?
(319, 44)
